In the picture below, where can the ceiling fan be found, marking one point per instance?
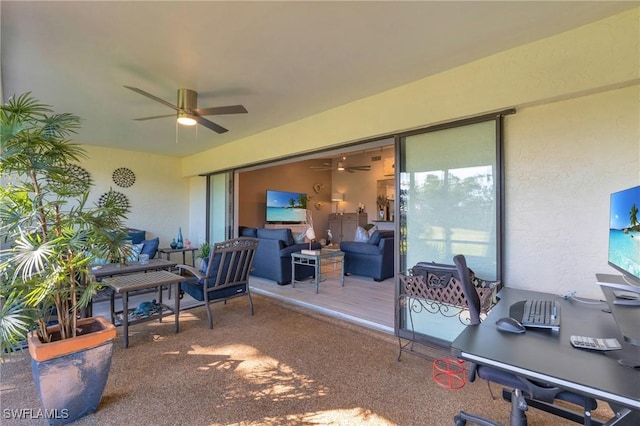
(341, 166)
(187, 109)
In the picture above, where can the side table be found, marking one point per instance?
(168, 251)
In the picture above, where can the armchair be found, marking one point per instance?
(226, 274)
(524, 391)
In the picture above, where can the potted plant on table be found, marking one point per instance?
(203, 253)
(50, 233)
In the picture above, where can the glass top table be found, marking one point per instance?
(317, 260)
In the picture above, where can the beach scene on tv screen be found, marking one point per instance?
(286, 206)
(624, 231)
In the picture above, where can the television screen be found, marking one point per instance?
(624, 233)
(286, 207)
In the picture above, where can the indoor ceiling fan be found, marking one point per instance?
(187, 110)
(341, 166)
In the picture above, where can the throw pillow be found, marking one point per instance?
(135, 252)
(299, 237)
(361, 235)
(371, 230)
(150, 247)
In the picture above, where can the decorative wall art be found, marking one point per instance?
(116, 197)
(75, 178)
(124, 177)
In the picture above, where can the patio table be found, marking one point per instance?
(123, 284)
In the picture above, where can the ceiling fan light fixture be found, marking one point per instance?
(186, 119)
(340, 165)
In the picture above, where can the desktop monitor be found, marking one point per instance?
(624, 235)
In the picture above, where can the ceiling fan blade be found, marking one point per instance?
(211, 125)
(155, 98)
(155, 116)
(230, 109)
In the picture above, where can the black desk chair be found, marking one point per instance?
(524, 392)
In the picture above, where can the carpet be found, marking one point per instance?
(282, 366)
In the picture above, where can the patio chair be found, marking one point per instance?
(224, 275)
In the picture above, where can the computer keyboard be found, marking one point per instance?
(537, 313)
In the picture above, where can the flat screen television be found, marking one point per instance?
(286, 207)
(624, 234)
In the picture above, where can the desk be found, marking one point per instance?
(548, 356)
(125, 283)
(326, 257)
(169, 251)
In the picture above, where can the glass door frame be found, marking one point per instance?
(400, 322)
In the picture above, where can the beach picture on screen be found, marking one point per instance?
(624, 232)
(286, 207)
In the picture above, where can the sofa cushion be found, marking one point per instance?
(246, 231)
(283, 235)
(378, 235)
(286, 251)
(360, 248)
(150, 247)
(136, 235)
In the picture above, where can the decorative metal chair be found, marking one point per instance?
(222, 276)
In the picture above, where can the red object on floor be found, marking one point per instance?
(449, 373)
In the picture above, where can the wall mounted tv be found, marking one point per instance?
(624, 233)
(286, 207)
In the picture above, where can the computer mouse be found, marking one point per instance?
(511, 325)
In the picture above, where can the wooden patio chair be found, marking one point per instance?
(222, 276)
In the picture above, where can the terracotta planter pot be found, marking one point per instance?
(70, 375)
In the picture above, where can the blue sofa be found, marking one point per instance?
(273, 256)
(373, 258)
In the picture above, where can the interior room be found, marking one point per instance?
(523, 118)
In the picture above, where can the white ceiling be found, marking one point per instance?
(282, 60)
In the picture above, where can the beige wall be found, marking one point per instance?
(159, 197)
(563, 160)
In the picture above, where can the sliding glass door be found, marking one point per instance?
(220, 206)
(449, 204)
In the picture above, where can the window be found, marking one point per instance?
(450, 198)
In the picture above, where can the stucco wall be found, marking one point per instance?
(159, 197)
(563, 160)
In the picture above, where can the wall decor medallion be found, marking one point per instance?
(114, 198)
(318, 187)
(74, 178)
(124, 177)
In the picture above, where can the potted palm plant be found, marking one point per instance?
(50, 233)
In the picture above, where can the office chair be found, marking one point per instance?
(524, 391)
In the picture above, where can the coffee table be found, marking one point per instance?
(325, 257)
(125, 283)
